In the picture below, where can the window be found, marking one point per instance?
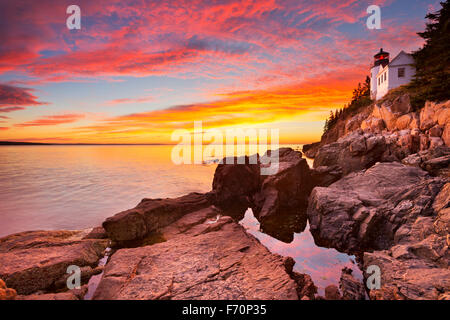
(378, 81)
(385, 76)
(401, 72)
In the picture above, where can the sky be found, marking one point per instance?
(138, 70)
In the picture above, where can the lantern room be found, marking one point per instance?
(381, 58)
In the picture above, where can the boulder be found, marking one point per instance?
(435, 161)
(407, 121)
(438, 166)
(403, 122)
(372, 124)
(235, 183)
(434, 113)
(441, 206)
(409, 276)
(436, 131)
(38, 260)
(354, 123)
(323, 176)
(351, 288)
(353, 152)
(363, 210)
(424, 142)
(443, 115)
(427, 119)
(406, 140)
(446, 135)
(306, 289)
(278, 200)
(401, 104)
(97, 233)
(150, 215)
(284, 195)
(435, 142)
(310, 149)
(385, 113)
(397, 218)
(332, 293)
(305, 286)
(391, 111)
(202, 258)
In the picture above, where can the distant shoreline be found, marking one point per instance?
(17, 143)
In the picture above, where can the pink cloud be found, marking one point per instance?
(163, 37)
(130, 100)
(14, 98)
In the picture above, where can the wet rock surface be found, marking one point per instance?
(386, 213)
(397, 218)
(38, 260)
(417, 266)
(364, 210)
(278, 200)
(75, 294)
(205, 256)
(150, 215)
(306, 289)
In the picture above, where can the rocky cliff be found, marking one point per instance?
(379, 189)
(382, 193)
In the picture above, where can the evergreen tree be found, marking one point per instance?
(360, 98)
(432, 80)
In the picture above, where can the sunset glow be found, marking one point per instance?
(138, 70)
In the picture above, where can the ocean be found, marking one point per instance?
(51, 187)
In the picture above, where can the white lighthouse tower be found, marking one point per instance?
(381, 60)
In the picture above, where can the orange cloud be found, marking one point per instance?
(307, 101)
(52, 120)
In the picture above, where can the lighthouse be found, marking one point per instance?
(386, 75)
(381, 60)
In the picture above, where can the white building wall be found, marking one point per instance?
(383, 80)
(373, 81)
(388, 77)
(395, 81)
